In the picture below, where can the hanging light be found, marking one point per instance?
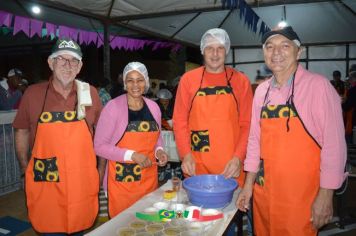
(283, 23)
(36, 9)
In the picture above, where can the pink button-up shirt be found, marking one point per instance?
(319, 107)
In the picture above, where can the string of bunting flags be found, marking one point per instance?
(31, 27)
(250, 17)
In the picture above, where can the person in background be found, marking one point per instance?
(151, 93)
(338, 84)
(103, 93)
(117, 87)
(347, 84)
(23, 85)
(166, 106)
(10, 94)
(263, 74)
(3, 83)
(296, 149)
(128, 136)
(55, 123)
(349, 107)
(212, 113)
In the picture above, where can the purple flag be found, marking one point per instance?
(22, 24)
(83, 37)
(113, 42)
(36, 28)
(5, 18)
(122, 41)
(93, 36)
(51, 29)
(67, 32)
(100, 40)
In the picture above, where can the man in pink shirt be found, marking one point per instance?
(296, 150)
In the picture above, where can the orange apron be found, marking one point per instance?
(127, 182)
(214, 128)
(288, 180)
(62, 181)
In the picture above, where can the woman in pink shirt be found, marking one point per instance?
(128, 136)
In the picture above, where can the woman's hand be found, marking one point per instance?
(243, 200)
(141, 159)
(162, 157)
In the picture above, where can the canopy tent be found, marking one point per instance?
(317, 22)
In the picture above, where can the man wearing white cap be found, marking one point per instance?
(55, 121)
(296, 149)
(212, 113)
(10, 94)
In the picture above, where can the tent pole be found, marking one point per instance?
(106, 52)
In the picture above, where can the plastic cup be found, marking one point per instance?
(176, 183)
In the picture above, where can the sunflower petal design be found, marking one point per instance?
(127, 172)
(57, 117)
(129, 178)
(46, 117)
(69, 115)
(278, 111)
(119, 168)
(221, 91)
(45, 169)
(200, 139)
(201, 93)
(52, 176)
(142, 126)
(39, 165)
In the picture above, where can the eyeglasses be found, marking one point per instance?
(62, 61)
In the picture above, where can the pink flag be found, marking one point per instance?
(93, 36)
(51, 29)
(22, 24)
(36, 28)
(67, 32)
(83, 37)
(100, 40)
(5, 18)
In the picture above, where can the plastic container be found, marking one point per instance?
(210, 191)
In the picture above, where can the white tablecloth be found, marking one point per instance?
(213, 228)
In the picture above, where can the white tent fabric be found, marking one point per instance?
(185, 21)
(316, 22)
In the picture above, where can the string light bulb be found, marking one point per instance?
(36, 10)
(283, 23)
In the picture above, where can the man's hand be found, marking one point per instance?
(162, 157)
(22, 147)
(188, 165)
(232, 168)
(322, 208)
(141, 159)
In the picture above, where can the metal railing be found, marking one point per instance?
(10, 174)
